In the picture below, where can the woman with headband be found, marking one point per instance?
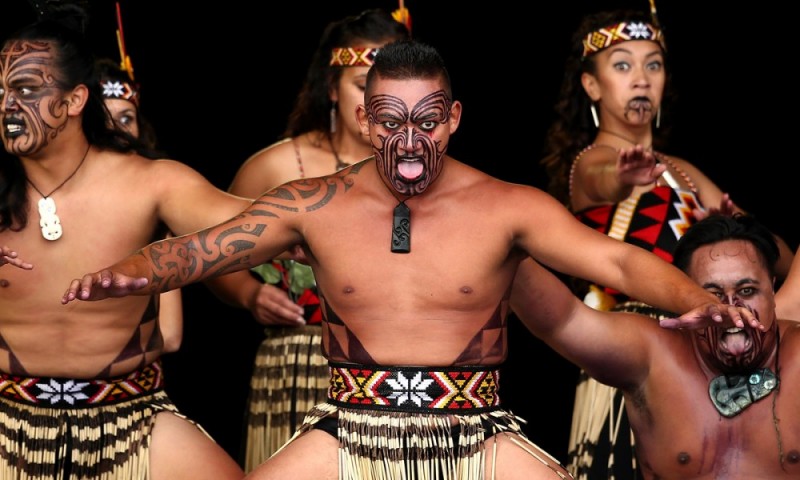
(604, 163)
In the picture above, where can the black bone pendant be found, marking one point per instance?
(401, 229)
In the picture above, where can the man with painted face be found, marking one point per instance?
(83, 388)
(414, 324)
(705, 400)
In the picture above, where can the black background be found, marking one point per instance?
(219, 79)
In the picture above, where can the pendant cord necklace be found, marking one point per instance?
(401, 221)
(48, 220)
(65, 180)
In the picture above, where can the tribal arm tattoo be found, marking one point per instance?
(259, 233)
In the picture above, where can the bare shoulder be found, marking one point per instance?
(268, 167)
(174, 170)
(131, 166)
(790, 331)
(490, 190)
(595, 154)
(152, 174)
(278, 151)
(789, 351)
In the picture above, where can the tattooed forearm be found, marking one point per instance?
(237, 244)
(181, 260)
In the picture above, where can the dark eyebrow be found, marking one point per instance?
(746, 281)
(743, 281)
(388, 116)
(27, 76)
(425, 117)
(622, 49)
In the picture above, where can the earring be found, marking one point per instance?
(594, 116)
(658, 117)
(333, 117)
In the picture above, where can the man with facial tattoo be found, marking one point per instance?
(706, 400)
(82, 387)
(414, 307)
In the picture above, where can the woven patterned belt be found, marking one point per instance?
(72, 393)
(415, 389)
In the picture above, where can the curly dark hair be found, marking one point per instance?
(573, 128)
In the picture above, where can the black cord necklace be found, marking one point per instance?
(48, 220)
(401, 221)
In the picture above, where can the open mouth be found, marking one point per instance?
(410, 169)
(735, 342)
(13, 127)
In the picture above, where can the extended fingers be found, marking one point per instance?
(739, 316)
(15, 261)
(11, 257)
(72, 291)
(715, 313)
(749, 317)
(88, 282)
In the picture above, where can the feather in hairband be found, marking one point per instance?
(402, 16)
(125, 60)
(656, 23)
(654, 13)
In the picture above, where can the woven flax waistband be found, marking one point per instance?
(452, 390)
(74, 393)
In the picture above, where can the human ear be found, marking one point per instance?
(363, 120)
(76, 99)
(590, 86)
(455, 116)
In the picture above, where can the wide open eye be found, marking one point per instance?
(428, 126)
(655, 66)
(622, 66)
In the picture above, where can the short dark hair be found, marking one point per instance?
(719, 228)
(406, 60)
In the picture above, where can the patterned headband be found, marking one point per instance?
(120, 90)
(621, 32)
(353, 56)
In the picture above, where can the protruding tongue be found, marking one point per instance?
(410, 170)
(736, 343)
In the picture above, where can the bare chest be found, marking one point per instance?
(684, 436)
